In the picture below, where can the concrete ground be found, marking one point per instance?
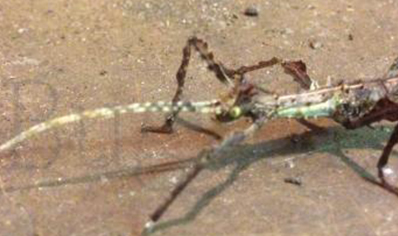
(103, 177)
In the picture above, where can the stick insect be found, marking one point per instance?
(353, 105)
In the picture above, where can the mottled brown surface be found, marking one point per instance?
(85, 179)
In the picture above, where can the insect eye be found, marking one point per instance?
(235, 112)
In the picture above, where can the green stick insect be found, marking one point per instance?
(352, 105)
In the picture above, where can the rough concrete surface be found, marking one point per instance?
(100, 177)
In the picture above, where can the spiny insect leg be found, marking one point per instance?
(260, 65)
(203, 158)
(219, 70)
(222, 73)
(298, 70)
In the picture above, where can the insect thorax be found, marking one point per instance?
(358, 102)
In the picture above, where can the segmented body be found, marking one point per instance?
(341, 103)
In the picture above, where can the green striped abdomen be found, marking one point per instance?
(324, 109)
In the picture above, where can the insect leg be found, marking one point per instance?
(383, 160)
(260, 65)
(219, 70)
(203, 158)
(298, 70)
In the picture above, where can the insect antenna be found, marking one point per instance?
(106, 113)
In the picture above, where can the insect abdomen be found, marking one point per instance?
(324, 109)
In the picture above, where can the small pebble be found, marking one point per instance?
(251, 11)
(293, 180)
(315, 44)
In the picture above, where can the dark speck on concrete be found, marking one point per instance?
(293, 180)
(251, 11)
